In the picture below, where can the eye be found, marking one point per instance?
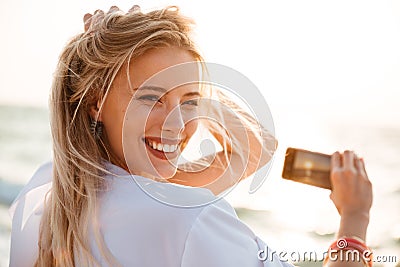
(153, 98)
(191, 102)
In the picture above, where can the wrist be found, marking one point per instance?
(359, 216)
(354, 224)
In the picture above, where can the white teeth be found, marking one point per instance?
(166, 148)
(162, 147)
(159, 147)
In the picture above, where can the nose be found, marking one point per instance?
(173, 121)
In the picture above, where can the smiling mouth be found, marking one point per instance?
(161, 147)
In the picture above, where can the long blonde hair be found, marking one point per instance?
(86, 69)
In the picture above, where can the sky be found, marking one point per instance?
(334, 56)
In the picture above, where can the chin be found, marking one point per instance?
(166, 173)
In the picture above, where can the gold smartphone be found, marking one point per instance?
(307, 167)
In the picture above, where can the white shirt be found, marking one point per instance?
(147, 223)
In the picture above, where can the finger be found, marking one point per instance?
(113, 9)
(335, 161)
(355, 160)
(133, 9)
(361, 168)
(348, 159)
(86, 20)
(97, 17)
(358, 165)
(99, 12)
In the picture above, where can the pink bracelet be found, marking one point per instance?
(351, 244)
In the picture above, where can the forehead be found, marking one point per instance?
(166, 68)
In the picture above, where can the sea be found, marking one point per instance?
(297, 221)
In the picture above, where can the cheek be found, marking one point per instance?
(190, 128)
(151, 121)
(190, 114)
(113, 128)
(133, 132)
(112, 114)
(136, 120)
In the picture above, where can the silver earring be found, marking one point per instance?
(96, 128)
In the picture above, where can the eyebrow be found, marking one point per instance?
(192, 94)
(163, 90)
(152, 88)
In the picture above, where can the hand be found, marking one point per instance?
(91, 21)
(351, 193)
(351, 188)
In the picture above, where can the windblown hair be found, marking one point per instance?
(86, 69)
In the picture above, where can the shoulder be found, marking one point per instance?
(41, 179)
(219, 238)
(26, 212)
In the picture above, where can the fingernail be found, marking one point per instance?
(87, 16)
(134, 8)
(113, 8)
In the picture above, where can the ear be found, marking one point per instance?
(94, 112)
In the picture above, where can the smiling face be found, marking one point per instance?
(147, 118)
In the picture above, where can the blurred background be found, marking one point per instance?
(329, 71)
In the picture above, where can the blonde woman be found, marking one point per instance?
(114, 194)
